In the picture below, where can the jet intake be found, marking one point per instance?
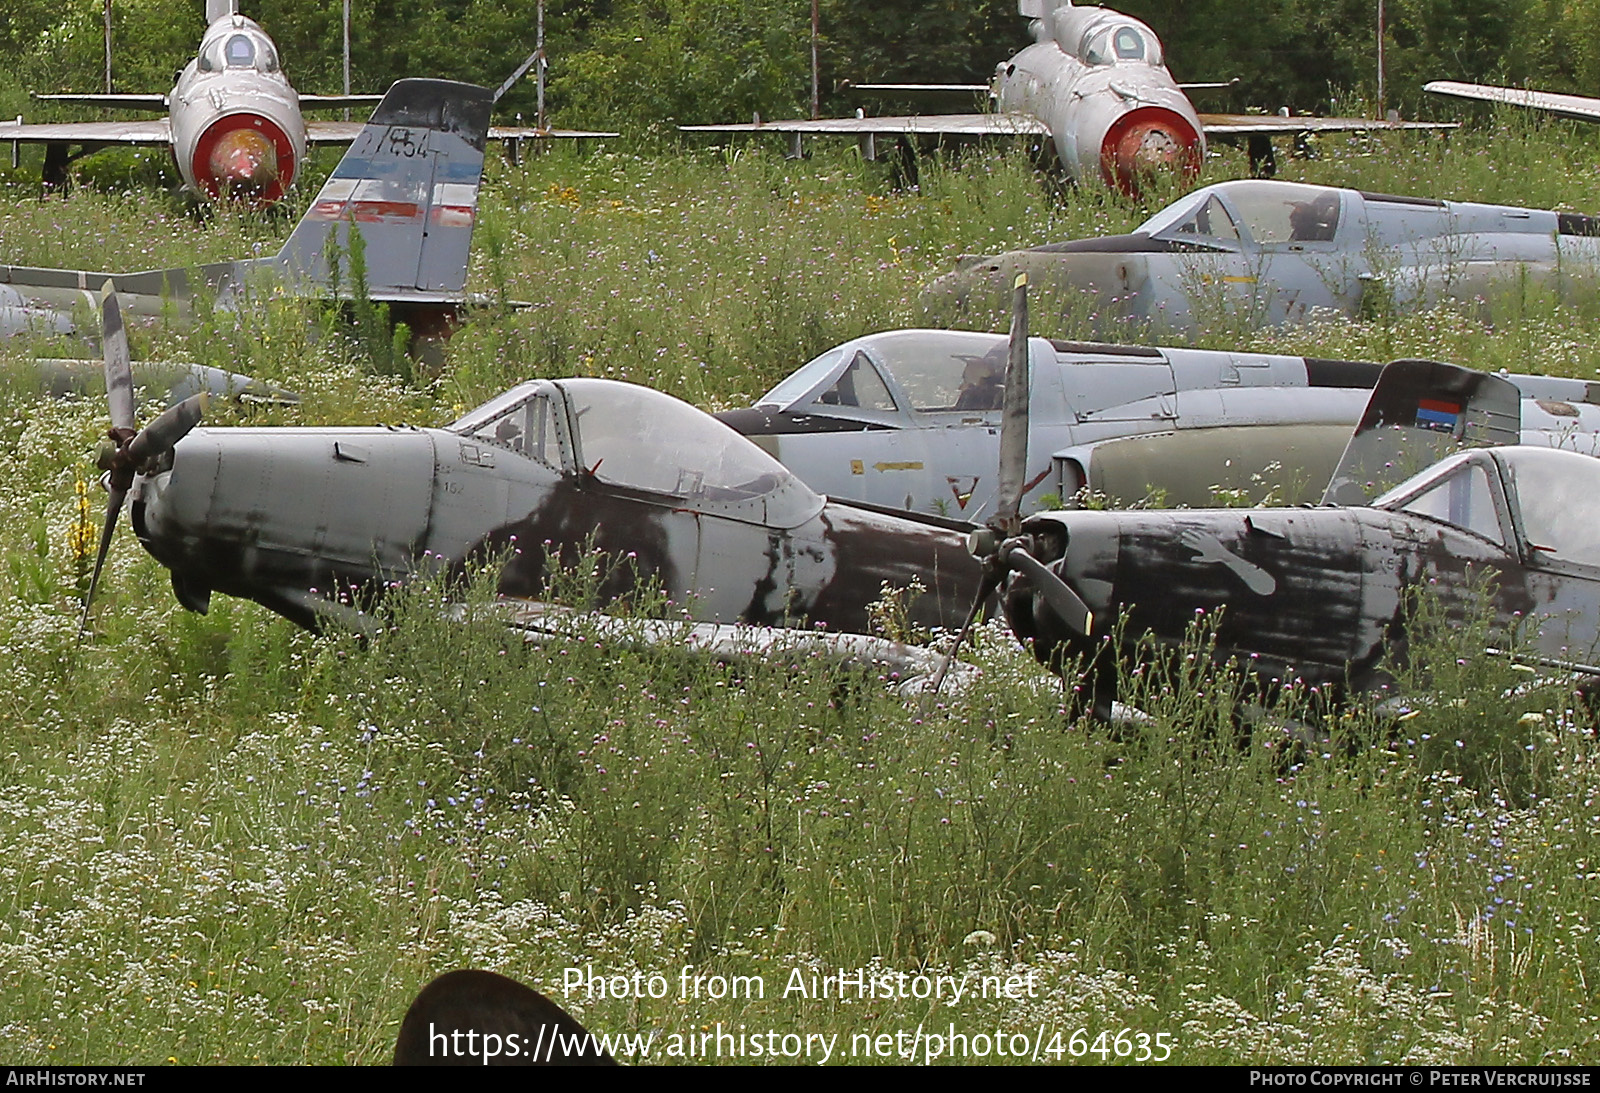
(244, 154)
(1149, 139)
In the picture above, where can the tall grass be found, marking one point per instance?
(228, 840)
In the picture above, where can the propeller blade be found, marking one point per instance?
(1014, 423)
(991, 580)
(165, 431)
(1057, 593)
(119, 368)
(113, 510)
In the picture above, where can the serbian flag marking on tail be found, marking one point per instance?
(1437, 414)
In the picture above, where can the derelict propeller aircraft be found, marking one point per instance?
(234, 123)
(1278, 253)
(314, 523)
(1322, 595)
(1317, 595)
(408, 184)
(911, 419)
(1096, 84)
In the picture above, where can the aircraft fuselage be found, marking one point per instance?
(309, 521)
(1096, 78)
(236, 122)
(1323, 595)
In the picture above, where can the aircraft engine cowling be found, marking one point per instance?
(244, 154)
(1151, 138)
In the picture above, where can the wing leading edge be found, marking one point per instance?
(970, 125)
(154, 131)
(1272, 125)
(1580, 107)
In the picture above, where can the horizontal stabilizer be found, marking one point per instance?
(338, 102)
(922, 88)
(128, 102)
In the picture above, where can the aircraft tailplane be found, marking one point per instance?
(408, 187)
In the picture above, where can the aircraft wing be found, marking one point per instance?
(1580, 107)
(337, 102)
(127, 102)
(529, 132)
(923, 88)
(343, 132)
(962, 125)
(153, 131)
(1270, 125)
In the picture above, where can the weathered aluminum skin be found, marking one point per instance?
(304, 520)
(1233, 254)
(1320, 594)
(228, 86)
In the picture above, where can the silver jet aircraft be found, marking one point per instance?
(408, 184)
(233, 123)
(1095, 82)
(910, 420)
(1262, 253)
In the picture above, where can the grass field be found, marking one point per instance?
(227, 840)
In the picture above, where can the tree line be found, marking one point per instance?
(633, 64)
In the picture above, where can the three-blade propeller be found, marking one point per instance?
(1000, 546)
(130, 449)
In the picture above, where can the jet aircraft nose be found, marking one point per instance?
(244, 160)
(246, 154)
(1146, 141)
(1093, 285)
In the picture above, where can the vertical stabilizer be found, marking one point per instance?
(220, 9)
(1420, 411)
(409, 186)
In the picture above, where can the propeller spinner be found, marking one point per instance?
(129, 449)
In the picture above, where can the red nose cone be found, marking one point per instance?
(1145, 141)
(244, 155)
(244, 160)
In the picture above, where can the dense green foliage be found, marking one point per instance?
(642, 65)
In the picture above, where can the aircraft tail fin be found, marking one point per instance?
(220, 9)
(405, 195)
(1419, 412)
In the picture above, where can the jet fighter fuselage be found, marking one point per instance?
(1256, 253)
(910, 419)
(1096, 77)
